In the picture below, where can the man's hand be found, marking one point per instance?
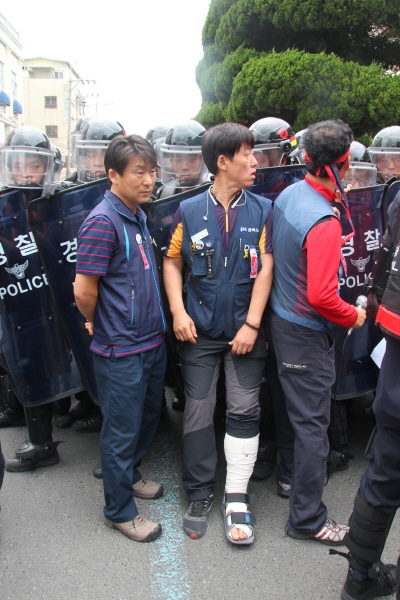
(89, 327)
(184, 327)
(362, 315)
(244, 340)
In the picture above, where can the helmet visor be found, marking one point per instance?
(268, 155)
(360, 175)
(22, 166)
(90, 160)
(75, 135)
(387, 161)
(183, 165)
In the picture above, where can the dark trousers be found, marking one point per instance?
(130, 393)
(306, 368)
(380, 482)
(200, 368)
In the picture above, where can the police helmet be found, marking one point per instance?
(91, 147)
(385, 152)
(157, 132)
(27, 159)
(362, 173)
(76, 134)
(58, 162)
(182, 162)
(274, 138)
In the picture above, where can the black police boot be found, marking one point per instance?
(266, 461)
(382, 583)
(91, 424)
(367, 577)
(84, 408)
(61, 415)
(29, 457)
(98, 472)
(12, 418)
(339, 461)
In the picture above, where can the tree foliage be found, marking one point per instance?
(301, 60)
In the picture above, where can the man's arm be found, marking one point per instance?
(86, 294)
(184, 327)
(245, 338)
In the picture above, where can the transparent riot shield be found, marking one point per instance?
(34, 348)
(357, 373)
(55, 224)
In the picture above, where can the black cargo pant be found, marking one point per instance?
(200, 368)
(306, 368)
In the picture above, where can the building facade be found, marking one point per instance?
(52, 99)
(11, 102)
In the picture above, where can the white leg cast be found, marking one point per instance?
(240, 457)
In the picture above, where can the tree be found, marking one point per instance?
(302, 60)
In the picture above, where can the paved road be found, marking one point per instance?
(54, 545)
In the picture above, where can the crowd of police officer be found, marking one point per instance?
(28, 159)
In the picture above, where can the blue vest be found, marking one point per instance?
(218, 288)
(129, 308)
(296, 210)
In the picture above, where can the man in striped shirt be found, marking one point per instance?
(116, 290)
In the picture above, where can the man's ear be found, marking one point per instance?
(222, 162)
(112, 175)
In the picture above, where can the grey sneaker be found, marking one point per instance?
(195, 519)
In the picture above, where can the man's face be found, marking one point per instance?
(241, 169)
(136, 183)
(95, 163)
(187, 168)
(389, 165)
(28, 169)
(357, 177)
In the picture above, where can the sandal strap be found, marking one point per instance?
(238, 497)
(241, 518)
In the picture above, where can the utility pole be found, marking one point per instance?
(70, 88)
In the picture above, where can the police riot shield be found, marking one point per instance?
(270, 182)
(34, 348)
(356, 372)
(55, 224)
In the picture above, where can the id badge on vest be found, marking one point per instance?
(142, 252)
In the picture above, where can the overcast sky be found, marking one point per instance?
(142, 55)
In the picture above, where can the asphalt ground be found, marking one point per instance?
(54, 545)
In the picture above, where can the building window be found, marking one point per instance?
(58, 75)
(50, 101)
(52, 131)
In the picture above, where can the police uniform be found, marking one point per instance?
(128, 344)
(378, 497)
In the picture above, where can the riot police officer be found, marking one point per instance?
(182, 164)
(92, 145)
(28, 160)
(274, 141)
(378, 496)
(385, 153)
(362, 172)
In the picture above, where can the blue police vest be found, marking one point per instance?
(129, 308)
(296, 210)
(218, 288)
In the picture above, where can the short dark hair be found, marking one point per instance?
(226, 139)
(325, 142)
(122, 149)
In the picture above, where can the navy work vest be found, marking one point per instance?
(129, 308)
(218, 288)
(296, 210)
